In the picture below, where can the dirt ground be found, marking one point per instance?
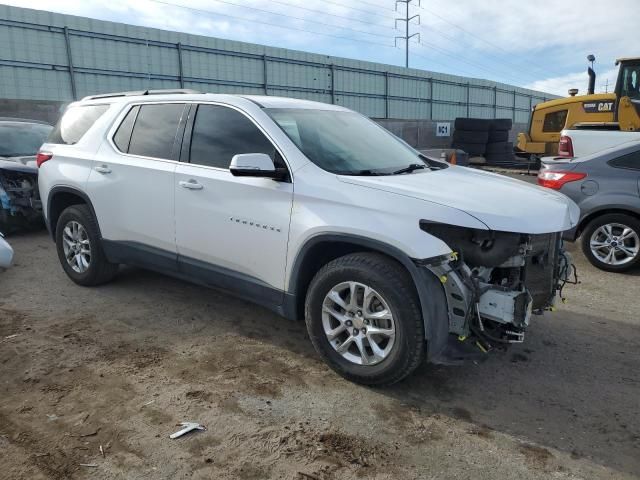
(119, 366)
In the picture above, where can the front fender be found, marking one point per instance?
(429, 288)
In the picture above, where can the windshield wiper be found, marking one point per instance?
(410, 168)
(363, 173)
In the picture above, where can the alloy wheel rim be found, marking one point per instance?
(615, 244)
(76, 246)
(358, 323)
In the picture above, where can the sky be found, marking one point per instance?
(541, 44)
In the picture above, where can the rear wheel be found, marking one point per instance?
(363, 317)
(612, 242)
(80, 249)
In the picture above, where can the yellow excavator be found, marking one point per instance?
(619, 110)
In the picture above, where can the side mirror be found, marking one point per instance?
(255, 165)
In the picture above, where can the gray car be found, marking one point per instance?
(606, 187)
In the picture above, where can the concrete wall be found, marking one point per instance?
(422, 133)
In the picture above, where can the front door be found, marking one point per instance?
(231, 232)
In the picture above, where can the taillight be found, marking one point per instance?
(42, 157)
(556, 180)
(565, 147)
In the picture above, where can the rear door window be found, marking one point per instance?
(155, 129)
(219, 133)
(75, 122)
(555, 121)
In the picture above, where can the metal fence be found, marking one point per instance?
(48, 56)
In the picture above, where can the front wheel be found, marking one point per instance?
(364, 319)
(612, 242)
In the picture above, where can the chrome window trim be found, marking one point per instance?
(121, 116)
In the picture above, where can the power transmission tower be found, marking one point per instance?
(406, 21)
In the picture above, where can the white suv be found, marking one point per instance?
(311, 210)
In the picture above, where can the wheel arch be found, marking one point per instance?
(321, 249)
(60, 198)
(604, 211)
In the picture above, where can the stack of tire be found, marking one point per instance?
(481, 137)
(499, 151)
(471, 135)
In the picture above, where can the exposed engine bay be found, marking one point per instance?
(20, 203)
(495, 281)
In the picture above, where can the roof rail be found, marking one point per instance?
(141, 92)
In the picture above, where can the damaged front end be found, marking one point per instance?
(494, 282)
(20, 204)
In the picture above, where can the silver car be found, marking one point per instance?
(606, 187)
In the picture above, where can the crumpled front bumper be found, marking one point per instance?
(485, 313)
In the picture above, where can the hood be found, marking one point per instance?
(501, 203)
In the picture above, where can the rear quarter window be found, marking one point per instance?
(75, 122)
(630, 161)
(123, 134)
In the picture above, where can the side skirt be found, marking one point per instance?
(198, 272)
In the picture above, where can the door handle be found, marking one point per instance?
(102, 169)
(191, 185)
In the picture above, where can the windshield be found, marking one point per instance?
(346, 143)
(21, 139)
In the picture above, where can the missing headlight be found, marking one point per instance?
(477, 248)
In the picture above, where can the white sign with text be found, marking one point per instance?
(443, 129)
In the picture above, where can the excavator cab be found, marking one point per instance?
(628, 94)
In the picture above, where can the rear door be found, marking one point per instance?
(231, 231)
(625, 176)
(132, 185)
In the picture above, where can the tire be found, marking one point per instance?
(595, 230)
(501, 124)
(472, 124)
(390, 282)
(93, 269)
(498, 136)
(465, 136)
(499, 147)
(473, 149)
